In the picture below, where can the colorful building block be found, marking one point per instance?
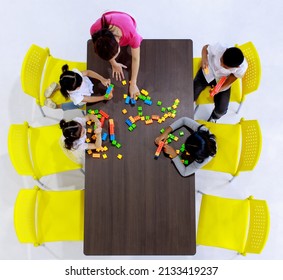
(159, 149)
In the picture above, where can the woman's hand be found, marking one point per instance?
(170, 151)
(134, 90)
(117, 70)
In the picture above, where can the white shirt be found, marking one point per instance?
(216, 71)
(81, 144)
(86, 89)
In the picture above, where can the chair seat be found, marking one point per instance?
(223, 222)
(228, 138)
(46, 162)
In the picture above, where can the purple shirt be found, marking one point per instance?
(126, 23)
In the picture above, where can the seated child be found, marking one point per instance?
(77, 86)
(200, 146)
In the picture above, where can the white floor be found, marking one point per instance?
(63, 26)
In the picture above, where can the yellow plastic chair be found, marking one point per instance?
(238, 146)
(241, 87)
(36, 151)
(47, 216)
(234, 224)
(39, 70)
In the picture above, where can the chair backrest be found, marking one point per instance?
(60, 216)
(46, 216)
(52, 73)
(25, 216)
(46, 151)
(251, 145)
(18, 148)
(252, 77)
(259, 226)
(32, 70)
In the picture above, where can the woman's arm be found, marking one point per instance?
(134, 90)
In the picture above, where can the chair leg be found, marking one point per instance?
(83, 112)
(198, 191)
(240, 106)
(196, 108)
(42, 185)
(42, 112)
(232, 179)
(82, 171)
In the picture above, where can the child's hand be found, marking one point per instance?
(170, 151)
(110, 96)
(162, 137)
(106, 82)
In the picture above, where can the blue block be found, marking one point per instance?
(112, 137)
(133, 101)
(104, 136)
(127, 101)
(128, 122)
(148, 102)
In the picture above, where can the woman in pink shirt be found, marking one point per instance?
(112, 30)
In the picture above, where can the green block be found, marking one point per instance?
(140, 114)
(134, 125)
(147, 118)
(169, 140)
(139, 108)
(159, 103)
(186, 162)
(96, 111)
(118, 145)
(162, 130)
(148, 98)
(114, 142)
(181, 133)
(130, 128)
(169, 109)
(163, 109)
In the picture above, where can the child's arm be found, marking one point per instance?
(92, 74)
(134, 90)
(204, 59)
(94, 99)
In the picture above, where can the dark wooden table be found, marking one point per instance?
(139, 205)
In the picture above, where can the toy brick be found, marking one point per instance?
(162, 130)
(137, 118)
(139, 108)
(125, 96)
(96, 155)
(176, 138)
(140, 114)
(124, 111)
(105, 148)
(144, 92)
(114, 142)
(89, 130)
(112, 137)
(119, 156)
(89, 152)
(93, 137)
(148, 102)
(149, 121)
(159, 103)
(163, 109)
(130, 128)
(104, 114)
(118, 145)
(159, 120)
(104, 156)
(87, 140)
(155, 117)
(181, 133)
(131, 119)
(133, 101)
(127, 101)
(142, 118)
(88, 122)
(128, 122)
(104, 136)
(124, 82)
(102, 120)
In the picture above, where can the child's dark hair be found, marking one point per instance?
(69, 81)
(233, 57)
(199, 145)
(104, 42)
(71, 131)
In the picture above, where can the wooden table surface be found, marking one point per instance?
(139, 205)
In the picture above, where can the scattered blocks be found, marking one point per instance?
(108, 91)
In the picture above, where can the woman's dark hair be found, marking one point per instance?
(199, 145)
(69, 81)
(71, 131)
(104, 42)
(233, 57)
